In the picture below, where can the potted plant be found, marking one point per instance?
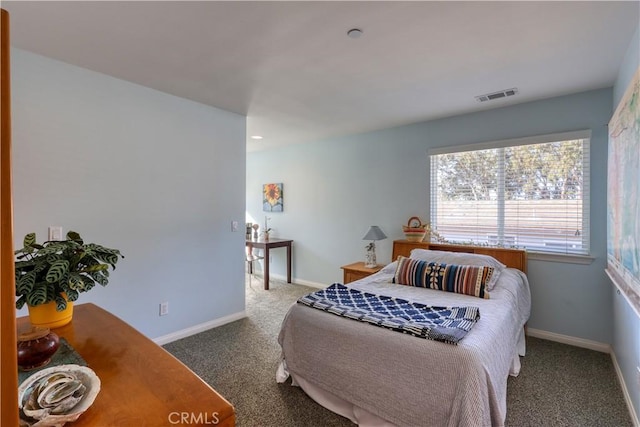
(50, 276)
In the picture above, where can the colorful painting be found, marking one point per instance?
(623, 195)
(272, 197)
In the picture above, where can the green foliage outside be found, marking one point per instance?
(551, 171)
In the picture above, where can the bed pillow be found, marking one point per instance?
(462, 258)
(390, 268)
(462, 279)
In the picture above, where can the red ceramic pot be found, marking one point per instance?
(36, 347)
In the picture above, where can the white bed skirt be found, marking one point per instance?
(332, 402)
(357, 415)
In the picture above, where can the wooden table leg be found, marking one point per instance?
(266, 268)
(289, 263)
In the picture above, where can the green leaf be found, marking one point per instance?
(61, 303)
(109, 258)
(37, 296)
(23, 265)
(89, 283)
(57, 271)
(95, 267)
(51, 258)
(25, 282)
(52, 291)
(104, 254)
(51, 249)
(21, 301)
(72, 295)
(104, 250)
(75, 282)
(72, 235)
(29, 239)
(98, 277)
(23, 252)
(63, 286)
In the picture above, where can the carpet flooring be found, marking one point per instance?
(559, 385)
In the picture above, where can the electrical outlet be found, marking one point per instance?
(164, 308)
(55, 233)
(234, 225)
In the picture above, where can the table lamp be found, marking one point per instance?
(373, 234)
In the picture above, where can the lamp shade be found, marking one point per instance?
(374, 233)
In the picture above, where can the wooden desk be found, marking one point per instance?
(142, 384)
(266, 245)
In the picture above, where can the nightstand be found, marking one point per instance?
(357, 271)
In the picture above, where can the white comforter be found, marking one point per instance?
(410, 381)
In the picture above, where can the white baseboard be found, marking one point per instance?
(566, 339)
(310, 284)
(196, 329)
(625, 391)
(296, 281)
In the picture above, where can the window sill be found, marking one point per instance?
(563, 258)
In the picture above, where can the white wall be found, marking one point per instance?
(156, 176)
(626, 338)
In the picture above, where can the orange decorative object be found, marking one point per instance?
(46, 315)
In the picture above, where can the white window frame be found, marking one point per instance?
(538, 139)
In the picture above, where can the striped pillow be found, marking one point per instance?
(462, 279)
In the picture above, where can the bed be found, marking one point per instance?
(379, 377)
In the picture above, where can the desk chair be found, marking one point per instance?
(250, 258)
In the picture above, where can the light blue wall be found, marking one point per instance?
(626, 324)
(335, 189)
(156, 176)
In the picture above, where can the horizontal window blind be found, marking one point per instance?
(531, 193)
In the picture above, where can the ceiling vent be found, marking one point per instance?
(497, 95)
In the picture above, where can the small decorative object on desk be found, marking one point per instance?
(57, 395)
(266, 229)
(415, 230)
(36, 347)
(255, 231)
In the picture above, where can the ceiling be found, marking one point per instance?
(293, 71)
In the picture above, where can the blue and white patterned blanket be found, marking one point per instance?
(446, 324)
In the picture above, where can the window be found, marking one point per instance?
(531, 193)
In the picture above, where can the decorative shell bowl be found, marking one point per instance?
(57, 395)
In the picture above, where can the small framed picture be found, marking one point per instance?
(272, 198)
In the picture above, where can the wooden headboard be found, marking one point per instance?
(514, 258)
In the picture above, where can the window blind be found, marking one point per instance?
(531, 193)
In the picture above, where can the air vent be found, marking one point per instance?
(497, 95)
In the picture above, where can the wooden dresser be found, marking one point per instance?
(142, 384)
(514, 258)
